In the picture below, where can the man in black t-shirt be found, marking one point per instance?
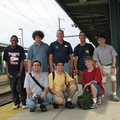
(14, 58)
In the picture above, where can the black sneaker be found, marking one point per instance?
(55, 106)
(32, 109)
(69, 105)
(43, 108)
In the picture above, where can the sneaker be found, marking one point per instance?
(114, 98)
(15, 106)
(93, 106)
(43, 108)
(100, 100)
(55, 106)
(24, 107)
(69, 105)
(32, 109)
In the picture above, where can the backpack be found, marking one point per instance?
(53, 74)
(85, 100)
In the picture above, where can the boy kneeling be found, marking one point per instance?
(61, 83)
(92, 81)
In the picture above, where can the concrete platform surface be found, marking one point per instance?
(108, 110)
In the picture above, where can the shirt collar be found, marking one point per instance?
(34, 75)
(38, 45)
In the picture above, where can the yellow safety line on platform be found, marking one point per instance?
(7, 111)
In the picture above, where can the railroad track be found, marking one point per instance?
(5, 92)
(4, 82)
(5, 98)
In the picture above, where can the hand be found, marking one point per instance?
(85, 87)
(113, 72)
(32, 98)
(65, 87)
(19, 74)
(8, 75)
(104, 73)
(51, 69)
(43, 95)
(77, 72)
(59, 94)
(71, 71)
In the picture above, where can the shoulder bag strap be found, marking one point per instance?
(36, 82)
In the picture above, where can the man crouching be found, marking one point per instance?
(37, 91)
(62, 86)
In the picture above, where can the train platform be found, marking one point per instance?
(108, 110)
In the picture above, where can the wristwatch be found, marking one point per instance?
(113, 67)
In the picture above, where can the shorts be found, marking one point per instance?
(107, 69)
(99, 93)
(64, 95)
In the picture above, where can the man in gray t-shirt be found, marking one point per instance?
(105, 57)
(34, 91)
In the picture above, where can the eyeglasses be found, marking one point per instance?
(36, 65)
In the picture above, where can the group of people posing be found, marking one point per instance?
(50, 69)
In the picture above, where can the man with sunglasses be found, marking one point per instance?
(34, 91)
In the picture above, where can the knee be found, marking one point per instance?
(60, 101)
(92, 86)
(30, 103)
(73, 87)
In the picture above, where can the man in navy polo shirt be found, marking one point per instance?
(61, 49)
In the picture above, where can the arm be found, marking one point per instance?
(99, 65)
(43, 95)
(21, 68)
(51, 62)
(29, 94)
(88, 84)
(72, 82)
(55, 92)
(75, 65)
(29, 65)
(113, 72)
(71, 63)
(7, 70)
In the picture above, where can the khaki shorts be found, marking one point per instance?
(79, 77)
(107, 69)
(64, 95)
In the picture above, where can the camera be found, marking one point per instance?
(34, 95)
(11, 77)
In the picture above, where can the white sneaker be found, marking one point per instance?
(114, 98)
(93, 106)
(15, 106)
(24, 107)
(100, 100)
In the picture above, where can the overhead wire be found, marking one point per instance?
(22, 14)
(60, 10)
(10, 17)
(36, 12)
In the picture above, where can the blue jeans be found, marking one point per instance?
(99, 90)
(44, 101)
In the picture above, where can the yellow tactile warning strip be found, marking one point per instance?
(7, 111)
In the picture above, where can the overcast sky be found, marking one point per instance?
(31, 15)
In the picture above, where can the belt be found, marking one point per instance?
(107, 65)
